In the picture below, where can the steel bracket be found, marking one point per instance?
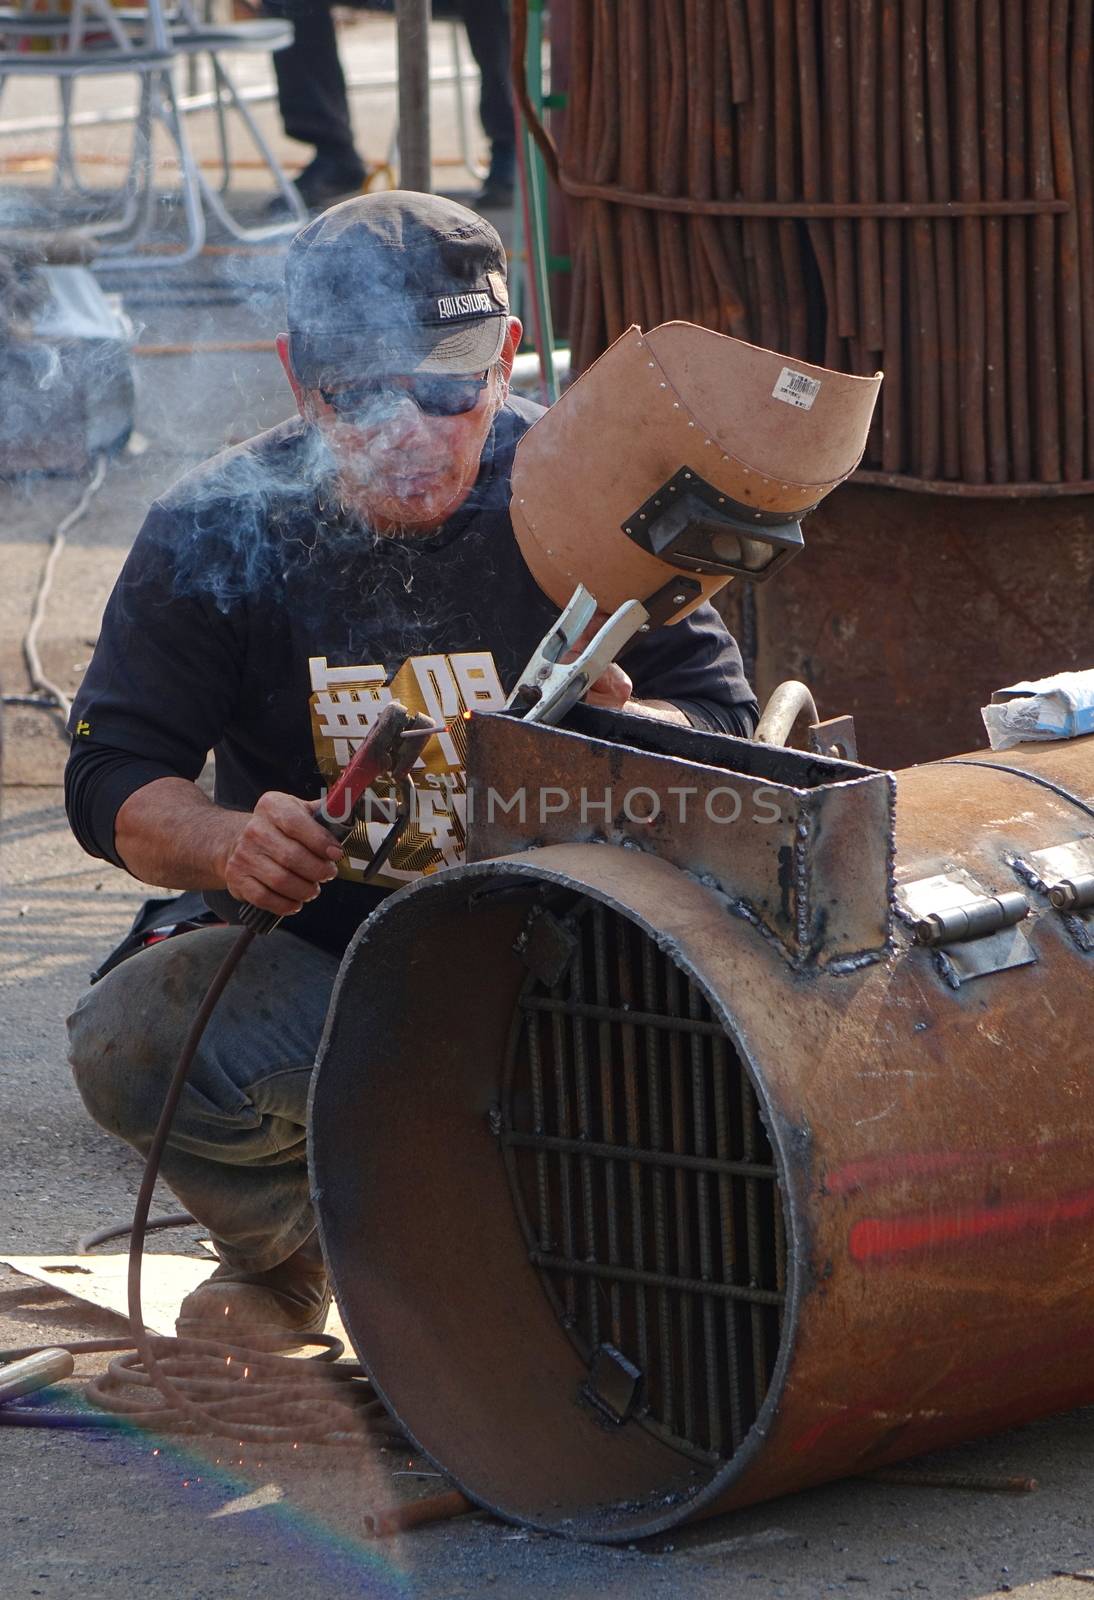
(547, 947)
(801, 844)
(835, 737)
(614, 1385)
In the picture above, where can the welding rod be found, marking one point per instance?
(416, 1513)
(983, 1482)
(34, 1372)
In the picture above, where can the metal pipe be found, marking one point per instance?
(810, 1276)
(786, 704)
(34, 1372)
(1073, 894)
(412, 41)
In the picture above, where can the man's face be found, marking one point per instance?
(402, 465)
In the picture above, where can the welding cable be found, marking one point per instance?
(246, 1391)
(323, 1400)
(87, 1242)
(57, 699)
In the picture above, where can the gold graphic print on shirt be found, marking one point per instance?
(346, 701)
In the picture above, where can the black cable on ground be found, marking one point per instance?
(246, 1391)
(122, 1230)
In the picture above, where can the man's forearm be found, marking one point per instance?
(276, 856)
(659, 710)
(170, 834)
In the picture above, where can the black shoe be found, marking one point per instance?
(493, 196)
(324, 181)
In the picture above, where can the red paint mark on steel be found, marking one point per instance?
(880, 1238)
(874, 1171)
(835, 1419)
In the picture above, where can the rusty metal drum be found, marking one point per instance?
(661, 1168)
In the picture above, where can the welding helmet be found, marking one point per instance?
(681, 459)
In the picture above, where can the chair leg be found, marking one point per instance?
(190, 177)
(227, 92)
(141, 177)
(222, 131)
(65, 163)
(162, 107)
(138, 186)
(67, 168)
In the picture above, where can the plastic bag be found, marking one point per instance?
(1060, 707)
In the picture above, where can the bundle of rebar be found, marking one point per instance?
(896, 184)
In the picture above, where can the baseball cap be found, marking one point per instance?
(396, 282)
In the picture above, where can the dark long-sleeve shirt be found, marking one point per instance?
(255, 620)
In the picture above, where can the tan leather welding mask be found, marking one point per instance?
(681, 459)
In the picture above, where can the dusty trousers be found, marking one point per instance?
(236, 1157)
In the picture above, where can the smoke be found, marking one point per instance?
(316, 501)
(298, 504)
(271, 516)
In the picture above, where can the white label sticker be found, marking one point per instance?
(796, 389)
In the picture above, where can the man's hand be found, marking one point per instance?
(613, 689)
(277, 856)
(282, 856)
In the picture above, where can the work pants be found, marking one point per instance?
(311, 86)
(236, 1157)
(487, 24)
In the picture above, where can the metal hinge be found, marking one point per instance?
(971, 931)
(1065, 873)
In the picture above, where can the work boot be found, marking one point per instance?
(293, 1297)
(329, 178)
(497, 191)
(493, 196)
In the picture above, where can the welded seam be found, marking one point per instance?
(1076, 926)
(1018, 772)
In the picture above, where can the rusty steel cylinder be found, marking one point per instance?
(661, 1171)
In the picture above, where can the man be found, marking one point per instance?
(314, 105)
(273, 600)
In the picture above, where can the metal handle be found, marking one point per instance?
(392, 744)
(786, 704)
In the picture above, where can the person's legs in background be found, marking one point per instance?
(487, 24)
(311, 94)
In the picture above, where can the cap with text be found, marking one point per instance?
(395, 283)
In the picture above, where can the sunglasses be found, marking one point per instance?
(433, 395)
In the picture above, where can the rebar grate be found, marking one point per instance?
(643, 1175)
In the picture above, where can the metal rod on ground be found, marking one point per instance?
(985, 1483)
(412, 34)
(416, 1513)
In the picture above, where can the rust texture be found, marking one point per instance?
(716, 1227)
(973, 595)
(816, 875)
(895, 184)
